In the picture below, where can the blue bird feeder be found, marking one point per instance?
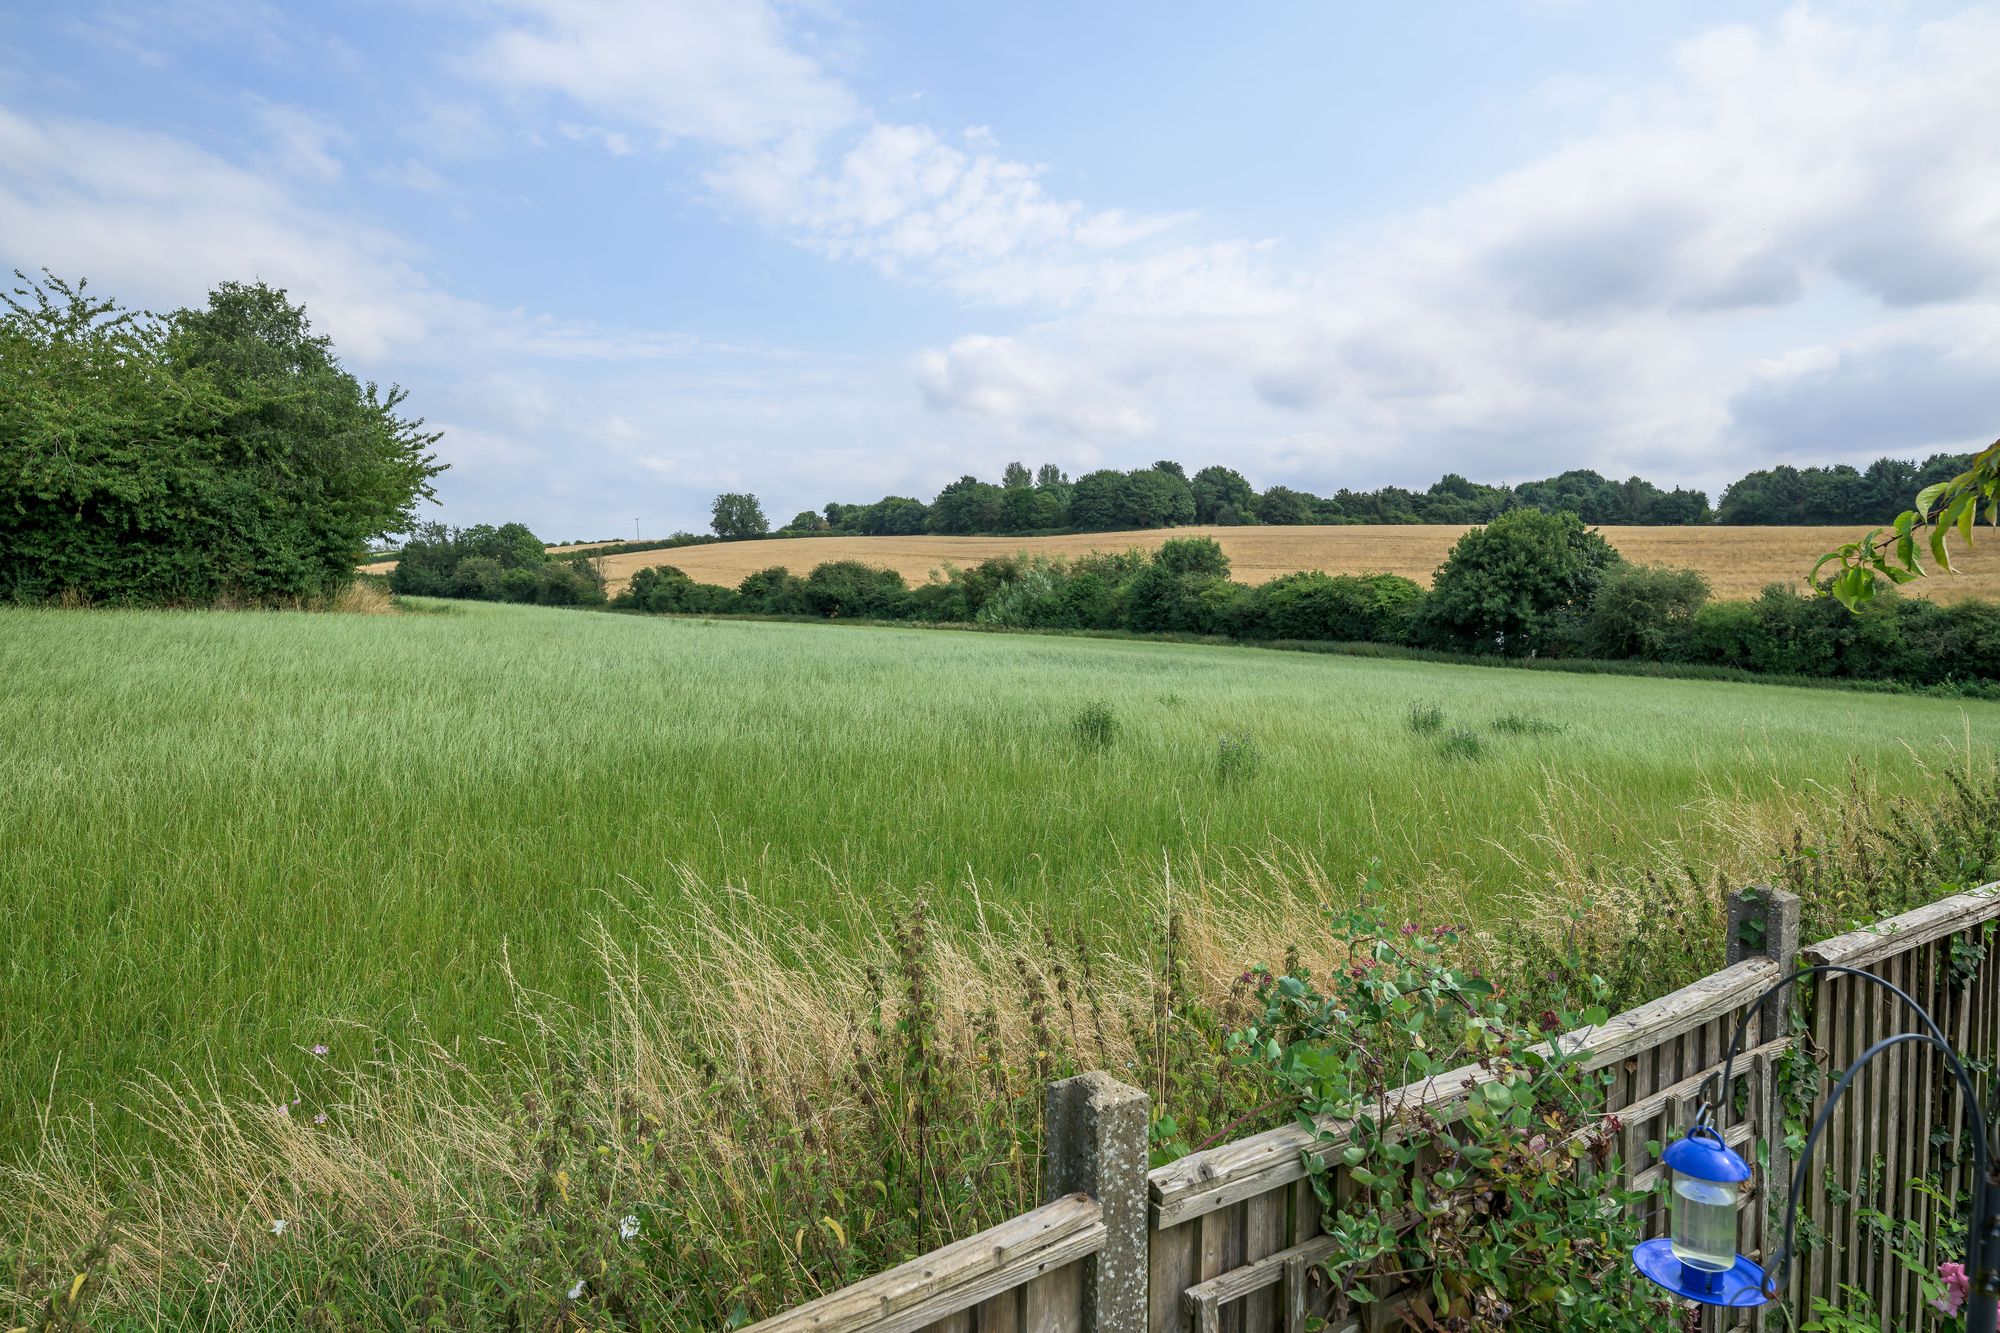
(1698, 1260)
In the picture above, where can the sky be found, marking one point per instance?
(627, 254)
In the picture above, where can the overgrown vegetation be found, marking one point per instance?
(763, 1109)
(1512, 1215)
(211, 455)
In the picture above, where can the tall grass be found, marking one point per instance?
(222, 833)
(761, 1109)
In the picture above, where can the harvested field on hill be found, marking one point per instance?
(1738, 561)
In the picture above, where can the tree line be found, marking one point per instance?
(1527, 584)
(1047, 500)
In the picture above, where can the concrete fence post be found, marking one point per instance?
(1764, 922)
(1097, 1129)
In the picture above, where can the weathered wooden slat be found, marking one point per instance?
(1262, 1275)
(1206, 1181)
(1263, 1236)
(1899, 934)
(998, 1314)
(1170, 1267)
(1656, 1103)
(1292, 1295)
(1053, 1302)
(961, 1275)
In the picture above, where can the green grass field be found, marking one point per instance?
(221, 831)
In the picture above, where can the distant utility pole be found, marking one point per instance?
(635, 529)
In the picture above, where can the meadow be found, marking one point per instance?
(223, 833)
(1737, 561)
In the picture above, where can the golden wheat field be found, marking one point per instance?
(1738, 561)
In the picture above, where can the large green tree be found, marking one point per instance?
(219, 452)
(1503, 585)
(737, 515)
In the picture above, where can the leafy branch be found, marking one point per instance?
(1894, 554)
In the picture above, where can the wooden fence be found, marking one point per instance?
(1228, 1240)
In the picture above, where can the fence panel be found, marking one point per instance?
(1901, 1123)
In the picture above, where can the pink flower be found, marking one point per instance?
(1957, 1286)
(320, 1049)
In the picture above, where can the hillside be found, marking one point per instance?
(1738, 561)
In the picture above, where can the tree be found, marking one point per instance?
(894, 516)
(213, 452)
(1957, 502)
(965, 506)
(1281, 504)
(1155, 499)
(1218, 488)
(1016, 477)
(737, 515)
(1097, 502)
(1502, 585)
(1048, 474)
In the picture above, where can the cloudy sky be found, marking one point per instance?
(628, 253)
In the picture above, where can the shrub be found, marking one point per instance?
(1502, 584)
(1524, 724)
(663, 589)
(1375, 608)
(850, 589)
(1095, 726)
(1642, 611)
(1525, 1223)
(519, 585)
(772, 592)
(1237, 758)
(1424, 716)
(1461, 743)
(479, 578)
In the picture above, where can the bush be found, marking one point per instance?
(1525, 724)
(1503, 585)
(1237, 758)
(1461, 743)
(852, 590)
(479, 578)
(772, 592)
(1375, 608)
(1425, 716)
(1642, 611)
(1525, 1222)
(1095, 726)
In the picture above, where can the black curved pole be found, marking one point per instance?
(1983, 1232)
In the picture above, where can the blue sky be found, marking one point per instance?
(629, 253)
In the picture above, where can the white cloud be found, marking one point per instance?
(904, 200)
(303, 142)
(719, 71)
(1626, 300)
(1026, 386)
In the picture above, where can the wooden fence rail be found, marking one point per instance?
(1228, 1240)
